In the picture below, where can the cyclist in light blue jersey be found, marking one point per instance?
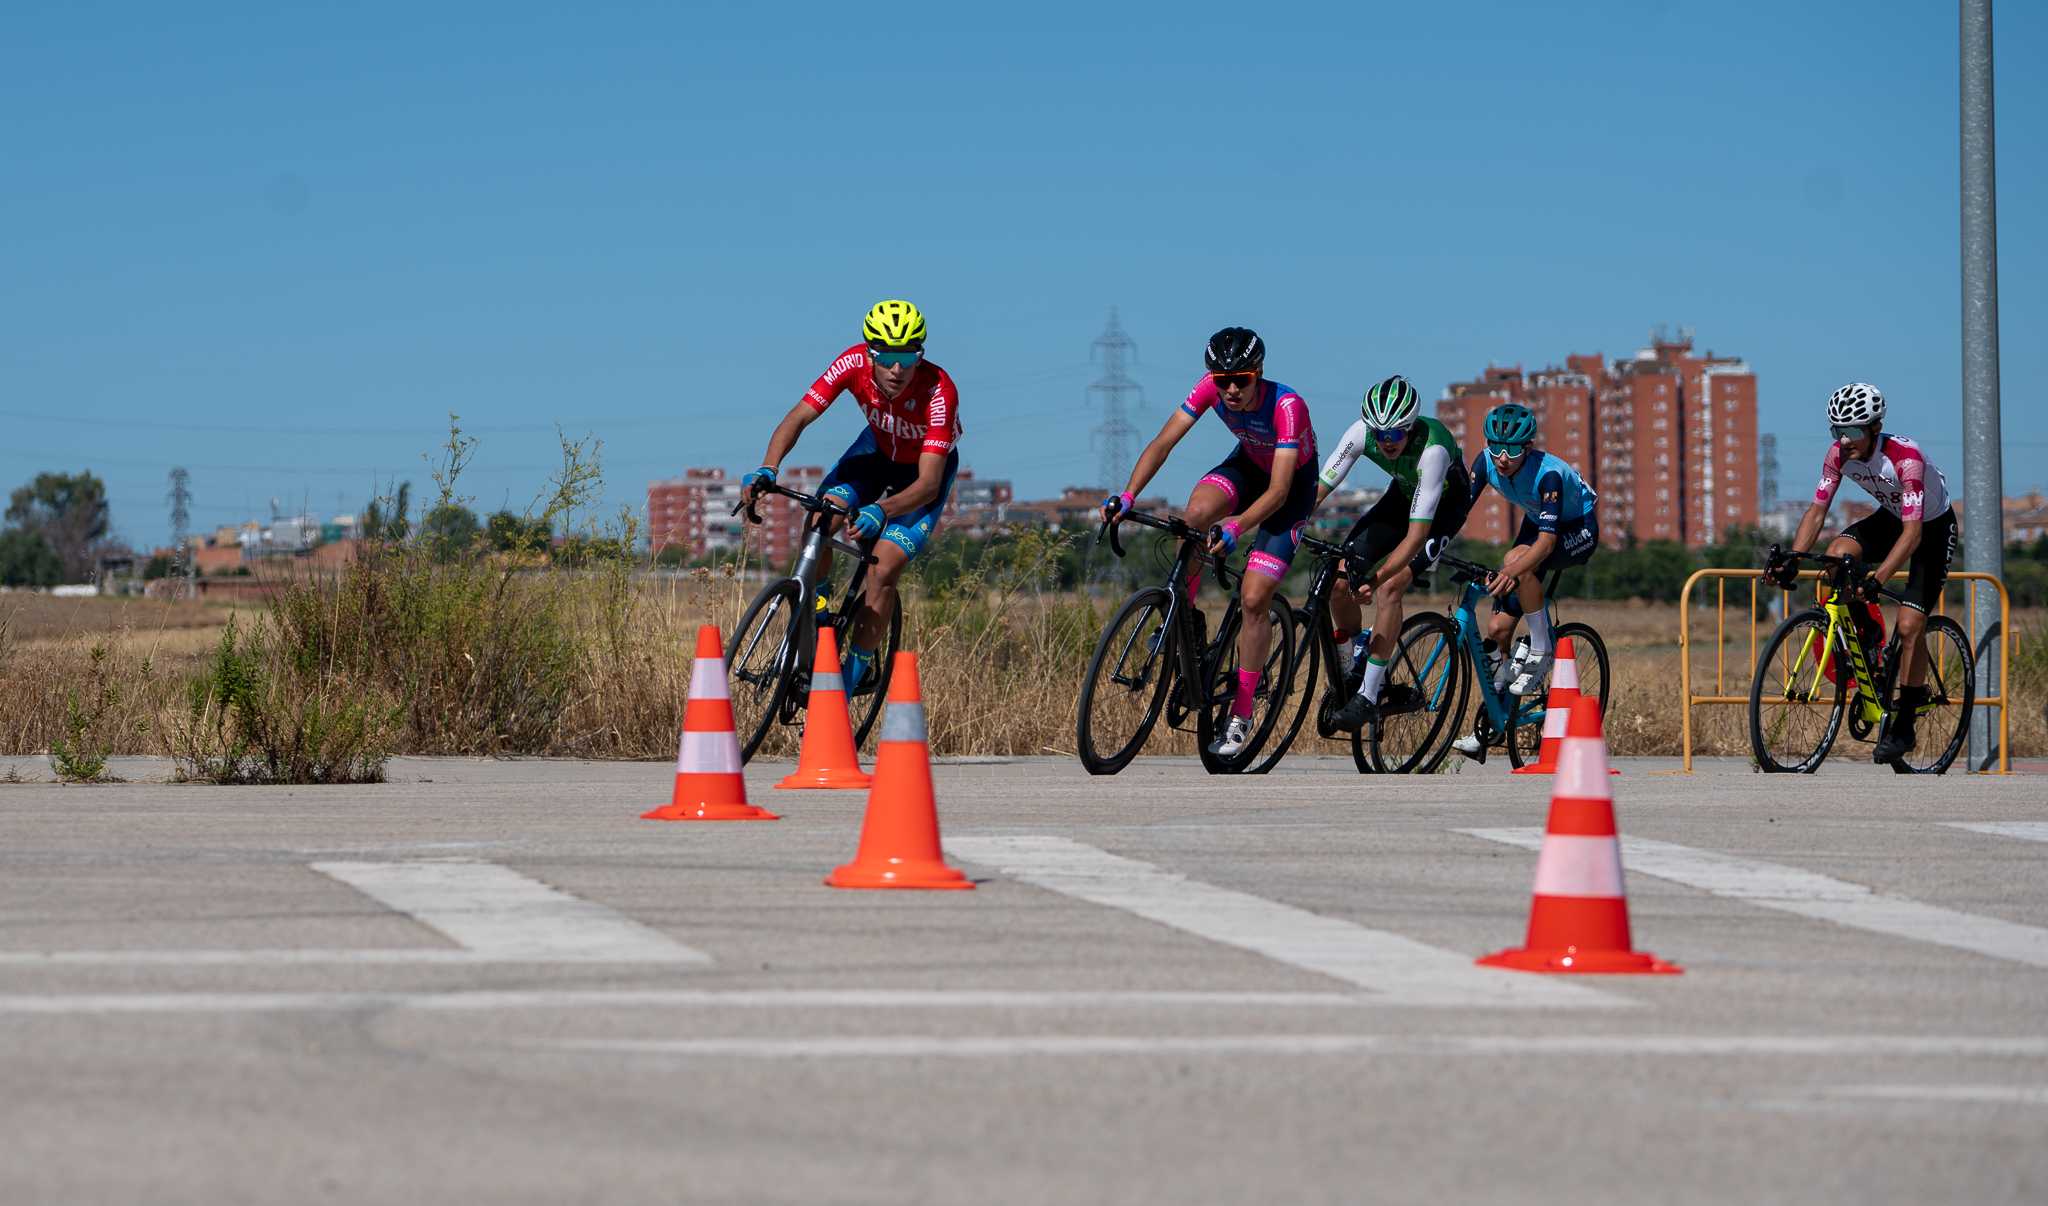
(1559, 529)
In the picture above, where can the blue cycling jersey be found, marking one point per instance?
(1546, 489)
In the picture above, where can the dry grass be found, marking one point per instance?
(1001, 664)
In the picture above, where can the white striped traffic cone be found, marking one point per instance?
(709, 786)
(1579, 920)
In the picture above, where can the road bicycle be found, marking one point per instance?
(1318, 657)
(1444, 656)
(1155, 659)
(1821, 668)
(769, 661)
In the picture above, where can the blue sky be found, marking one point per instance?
(279, 246)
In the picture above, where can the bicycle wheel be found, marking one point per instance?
(1275, 680)
(1127, 681)
(1308, 664)
(1428, 659)
(762, 660)
(1589, 657)
(1943, 723)
(868, 708)
(1795, 706)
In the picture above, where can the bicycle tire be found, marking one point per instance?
(1156, 677)
(1308, 665)
(1277, 679)
(1814, 621)
(1948, 669)
(1430, 657)
(868, 709)
(1589, 659)
(760, 690)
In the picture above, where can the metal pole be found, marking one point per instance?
(1983, 484)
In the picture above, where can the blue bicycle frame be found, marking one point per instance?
(1499, 708)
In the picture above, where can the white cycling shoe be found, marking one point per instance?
(1531, 673)
(1469, 745)
(1236, 735)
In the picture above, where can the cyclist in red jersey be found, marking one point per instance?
(897, 475)
(1914, 528)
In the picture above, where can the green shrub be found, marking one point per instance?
(259, 714)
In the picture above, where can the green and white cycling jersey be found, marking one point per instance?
(1430, 460)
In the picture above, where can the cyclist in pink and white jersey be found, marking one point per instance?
(1914, 528)
(1268, 483)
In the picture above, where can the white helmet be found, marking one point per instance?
(1857, 404)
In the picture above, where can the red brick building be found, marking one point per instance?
(1668, 437)
(695, 511)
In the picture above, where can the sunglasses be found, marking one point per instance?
(1390, 435)
(1843, 432)
(1506, 452)
(1240, 380)
(894, 359)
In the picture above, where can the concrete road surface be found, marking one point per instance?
(492, 982)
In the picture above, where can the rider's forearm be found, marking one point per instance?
(1523, 557)
(1902, 552)
(931, 474)
(1403, 553)
(786, 432)
(1809, 528)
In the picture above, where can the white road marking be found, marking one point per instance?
(662, 998)
(496, 912)
(493, 913)
(1809, 894)
(1390, 965)
(2032, 831)
(901, 1046)
(1991, 1094)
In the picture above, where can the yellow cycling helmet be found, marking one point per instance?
(894, 324)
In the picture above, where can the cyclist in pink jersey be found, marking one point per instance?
(1267, 483)
(897, 474)
(1914, 528)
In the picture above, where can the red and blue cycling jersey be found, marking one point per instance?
(1280, 420)
(925, 419)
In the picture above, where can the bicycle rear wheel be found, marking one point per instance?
(1427, 659)
(1942, 724)
(762, 660)
(1795, 702)
(1126, 684)
(1301, 688)
(868, 708)
(1589, 657)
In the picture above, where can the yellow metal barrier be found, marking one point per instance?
(1720, 694)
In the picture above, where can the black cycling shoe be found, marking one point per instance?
(1356, 711)
(1894, 747)
(1399, 698)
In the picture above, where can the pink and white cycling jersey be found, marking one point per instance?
(1280, 420)
(1898, 475)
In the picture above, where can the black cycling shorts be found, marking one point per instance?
(1385, 524)
(1576, 540)
(1927, 569)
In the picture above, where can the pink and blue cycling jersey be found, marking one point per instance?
(1280, 420)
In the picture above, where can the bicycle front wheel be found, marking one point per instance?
(762, 661)
(868, 708)
(1797, 696)
(1301, 687)
(1126, 685)
(1275, 681)
(1942, 724)
(1589, 658)
(1428, 660)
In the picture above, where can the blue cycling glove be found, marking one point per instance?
(764, 476)
(869, 520)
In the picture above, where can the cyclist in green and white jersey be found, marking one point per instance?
(1428, 495)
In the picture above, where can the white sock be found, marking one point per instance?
(1539, 632)
(1375, 674)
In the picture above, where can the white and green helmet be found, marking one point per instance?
(1390, 404)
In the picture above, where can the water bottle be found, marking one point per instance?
(1359, 644)
(1495, 659)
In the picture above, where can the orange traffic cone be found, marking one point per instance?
(1557, 709)
(709, 786)
(1579, 921)
(827, 758)
(899, 840)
